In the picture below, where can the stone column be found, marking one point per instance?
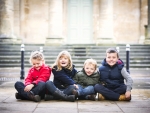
(6, 20)
(55, 22)
(105, 32)
(148, 27)
(143, 20)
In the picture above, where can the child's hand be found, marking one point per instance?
(128, 94)
(28, 87)
(76, 86)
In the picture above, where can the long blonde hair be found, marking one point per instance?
(61, 54)
(36, 55)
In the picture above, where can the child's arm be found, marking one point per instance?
(128, 79)
(28, 82)
(29, 78)
(75, 78)
(129, 82)
(63, 77)
(44, 76)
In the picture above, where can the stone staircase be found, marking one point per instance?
(10, 54)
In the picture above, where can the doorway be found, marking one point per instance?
(80, 21)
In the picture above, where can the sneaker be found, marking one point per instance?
(33, 97)
(18, 96)
(92, 97)
(123, 98)
(100, 97)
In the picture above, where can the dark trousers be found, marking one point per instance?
(110, 94)
(51, 88)
(38, 89)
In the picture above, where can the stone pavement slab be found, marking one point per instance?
(140, 103)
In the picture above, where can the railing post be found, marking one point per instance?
(22, 61)
(127, 57)
(41, 49)
(117, 48)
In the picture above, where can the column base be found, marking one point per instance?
(104, 41)
(54, 40)
(9, 40)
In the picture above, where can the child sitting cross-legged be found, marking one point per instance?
(112, 78)
(33, 87)
(85, 81)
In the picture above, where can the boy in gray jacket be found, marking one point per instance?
(86, 79)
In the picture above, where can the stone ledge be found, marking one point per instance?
(53, 40)
(104, 41)
(9, 40)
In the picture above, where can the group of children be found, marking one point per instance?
(106, 82)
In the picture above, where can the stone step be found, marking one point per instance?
(147, 61)
(77, 65)
(10, 54)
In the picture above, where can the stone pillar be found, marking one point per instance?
(55, 28)
(105, 32)
(6, 20)
(143, 20)
(148, 27)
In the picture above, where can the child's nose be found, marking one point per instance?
(36, 65)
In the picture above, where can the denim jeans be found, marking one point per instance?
(38, 89)
(84, 91)
(52, 88)
(110, 94)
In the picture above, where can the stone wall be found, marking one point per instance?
(45, 21)
(6, 19)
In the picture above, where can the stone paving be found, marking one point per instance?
(140, 102)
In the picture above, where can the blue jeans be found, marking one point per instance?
(110, 94)
(52, 88)
(38, 89)
(84, 91)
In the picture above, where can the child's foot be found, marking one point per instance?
(18, 96)
(92, 97)
(48, 97)
(123, 98)
(100, 97)
(75, 92)
(33, 97)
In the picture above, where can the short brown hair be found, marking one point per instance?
(112, 50)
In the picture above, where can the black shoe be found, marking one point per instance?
(18, 96)
(48, 97)
(61, 95)
(33, 97)
(92, 97)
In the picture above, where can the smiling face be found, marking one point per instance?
(111, 58)
(63, 61)
(37, 63)
(89, 69)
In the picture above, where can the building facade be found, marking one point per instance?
(73, 21)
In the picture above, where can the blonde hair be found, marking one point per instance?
(91, 61)
(36, 55)
(61, 54)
